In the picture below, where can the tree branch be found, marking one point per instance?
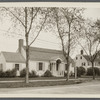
(40, 29)
(15, 16)
(32, 19)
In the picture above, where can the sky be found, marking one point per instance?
(45, 39)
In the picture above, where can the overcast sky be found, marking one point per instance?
(45, 40)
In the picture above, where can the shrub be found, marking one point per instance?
(8, 73)
(71, 74)
(65, 74)
(1, 74)
(90, 71)
(23, 73)
(13, 73)
(80, 71)
(33, 74)
(47, 74)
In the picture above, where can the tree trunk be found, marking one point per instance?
(27, 61)
(75, 71)
(68, 54)
(67, 78)
(93, 70)
(27, 49)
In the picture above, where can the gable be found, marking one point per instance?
(13, 57)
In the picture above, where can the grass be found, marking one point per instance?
(35, 78)
(36, 84)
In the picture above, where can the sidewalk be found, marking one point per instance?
(41, 80)
(32, 80)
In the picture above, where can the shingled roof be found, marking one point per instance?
(43, 54)
(88, 59)
(13, 57)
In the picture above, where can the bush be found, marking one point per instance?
(80, 71)
(1, 74)
(90, 71)
(48, 74)
(65, 74)
(23, 73)
(33, 74)
(8, 73)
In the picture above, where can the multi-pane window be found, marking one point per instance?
(17, 66)
(57, 67)
(84, 64)
(40, 66)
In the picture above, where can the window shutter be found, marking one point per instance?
(37, 66)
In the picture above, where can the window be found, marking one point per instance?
(84, 64)
(17, 66)
(76, 58)
(57, 64)
(81, 57)
(40, 65)
(57, 67)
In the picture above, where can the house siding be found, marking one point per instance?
(11, 65)
(78, 62)
(34, 66)
(3, 62)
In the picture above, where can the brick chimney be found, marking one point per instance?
(20, 44)
(81, 52)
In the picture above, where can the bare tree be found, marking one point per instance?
(66, 21)
(31, 20)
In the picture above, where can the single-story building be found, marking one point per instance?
(40, 60)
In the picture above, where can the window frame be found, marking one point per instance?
(17, 67)
(80, 57)
(40, 65)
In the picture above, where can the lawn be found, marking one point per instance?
(36, 84)
(35, 78)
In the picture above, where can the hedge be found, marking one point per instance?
(90, 71)
(80, 71)
(8, 73)
(31, 74)
(47, 74)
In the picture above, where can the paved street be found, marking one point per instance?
(84, 88)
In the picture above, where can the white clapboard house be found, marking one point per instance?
(83, 60)
(40, 60)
